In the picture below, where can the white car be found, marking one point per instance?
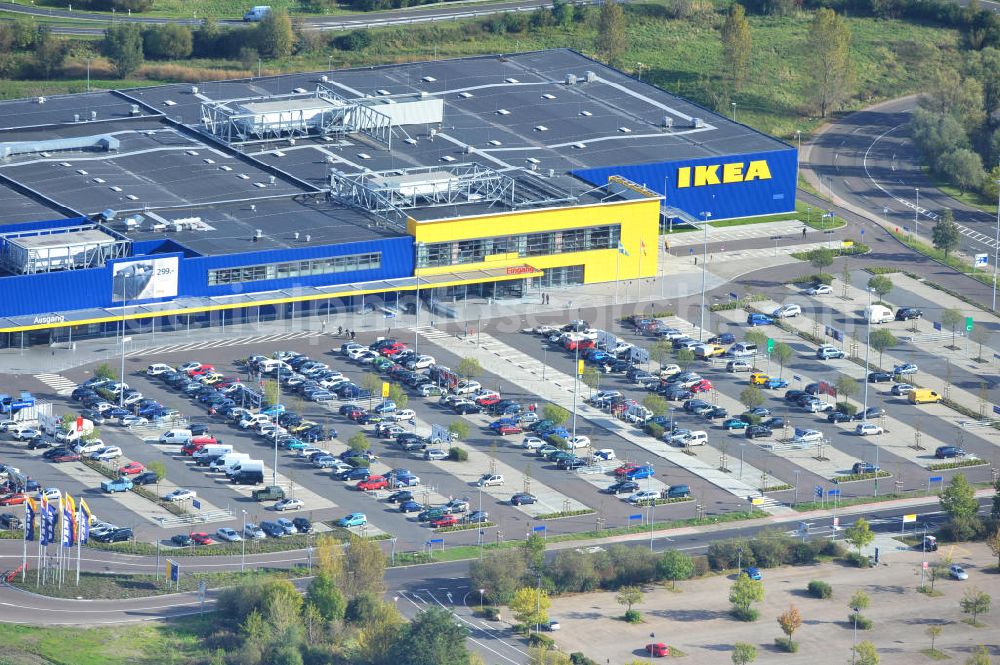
(787, 311)
(253, 532)
(466, 387)
(422, 362)
(27, 433)
(88, 447)
(669, 370)
(50, 493)
(309, 450)
(575, 442)
(808, 435)
(643, 496)
(405, 414)
(157, 369)
(188, 366)
(817, 406)
(490, 480)
(356, 352)
(352, 348)
(435, 454)
(101, 528)
(133, 421)
(289, 504)
(106, 454)
(820, 290)
(868, 429)
(228, 535)
(180, 494)
(532, 442)
(368, 357)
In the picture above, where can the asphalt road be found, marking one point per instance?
(868, 160)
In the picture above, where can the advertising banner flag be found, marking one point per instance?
(69, 522)
(30, 510)
(85, 522)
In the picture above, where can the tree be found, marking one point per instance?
(500, 573)
(860, 534)
(160, 469)
(859, 603)
(469, 368)
(359, 442)
(50, 52)
(932, 632)
(945, 235)
(790, 621)
(685, 357)
(744, 653)
(612, 40)
(737, 44)
(674, 565)
(782, 353)
(434, 638)
(384, 626)
(881, 285)
(323, 595)
(661, 352)
(591, 377)
(975, 602)
(398, 395)
(952, 318)
(656, 404)
(555, 413)
(104, 371)
(743, 594)
(958, 500)
(530, 605)
(372, 383)
(756, 337)
(364, 564)
(865, 654)
(995, 509)
(123, 46)
(829, 67)
(821, 258)
(275, 37)
(994, 545)
(963, 168)
(880, 340)
(980, 656)
(751, 397)
(629, 596)
(169, 41)
(460, 428)
(980, 335)
(846, 386)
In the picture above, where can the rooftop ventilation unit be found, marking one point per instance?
(93, 116)
(134, 110)
(41, 100)
(668, 122)
(697, 123)
(194, 90)
(591, 76)
(324, 78)
(571, 79)
(258, 234)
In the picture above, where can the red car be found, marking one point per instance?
(504, 430)
(625, 468)
(702, 386)
(658, 649)
(373, 483)
(354, 414)
(202, 538)
(191, 447)
(444, 520)
(201, 371)
(130, 468)
(203, 440)
(67, 457)
(396, 348)
(15, 499)
(488, 400)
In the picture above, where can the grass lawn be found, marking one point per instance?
(177, 642)
(973, 199)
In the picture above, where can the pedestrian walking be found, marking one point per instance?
(803, 232)
(340, 330)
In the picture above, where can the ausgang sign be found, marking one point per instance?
(721, 174)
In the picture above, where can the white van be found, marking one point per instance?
(228, 460)
(638, 414)
(696, 438)
(272, 365)
(176, 437)
(64, 435)
(256, 14)
(212, 451)
(245, 465)
(878, 314)
(254, 420)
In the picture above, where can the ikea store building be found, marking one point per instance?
(249, 200)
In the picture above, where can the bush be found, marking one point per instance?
(815, 278)
(748, 615)
(846, 407)
(724, 555)
(557, 441)
(701, 567)
(786, 644)
(633, 616)
(804, 553)
(751, 419)
(654, 430)
(490, 613)
(456, 454)
(353, 41)
(858, 560)
(864, 623)
(820, 589)
(833, 549)
(577, 658)
(539, 640)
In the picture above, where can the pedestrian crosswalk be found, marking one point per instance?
(57, 382)
(981, 238)
(224, 342)
(745, 232)
(430, 332)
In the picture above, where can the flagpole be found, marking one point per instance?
(24, 543)
(79, 545)
(618, 266)
(642, 250)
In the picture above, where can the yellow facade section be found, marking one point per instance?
(639, 220)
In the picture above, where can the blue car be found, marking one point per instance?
(774, 383)
(410, 507)
(754, 573)
(734, 423)
(640, 472)
(497, 424)
(275, 410)
(354, 519)
(759, 320)
(559, 431)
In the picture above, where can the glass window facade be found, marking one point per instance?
(290, 269)
(431, 255)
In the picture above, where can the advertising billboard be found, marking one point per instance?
(144, 279)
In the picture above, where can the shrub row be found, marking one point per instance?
(769, 551)
(852, 477)
(957, 465)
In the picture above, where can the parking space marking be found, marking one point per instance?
(57, 382)
(225, 342)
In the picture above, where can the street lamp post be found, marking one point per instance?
(576, 385)
(704, 273)
(996, 249)
(795, 501)
(864, 414)
(734, 110)
(481, 592)
(243, 554)
(652, 641)
(742, 447)
(916, 216)
(854, 653)
(274, 469)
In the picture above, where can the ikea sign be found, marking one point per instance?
(722, 174)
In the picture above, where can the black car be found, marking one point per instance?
(838, 417)
(37, 442)
(10, 521)
(864, 467)
(302, 525)
(522, 499)
(198, 429)
(272, 529)
(908, 313)
(119, 535)
(56, 452)
(812, 388)
(715, 412)
(623, 486)
(774, 422)
(401, 496)
(947, 452)
(755, 431)
(794, 395)
(181, 540)
(466, 409)
(869, 414)
(879, 377)
(80, 392)
(570, 463)
(93, 416)
(144, 478)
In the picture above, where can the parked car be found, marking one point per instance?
(354, 519)
(755, 319)
(523, 499)
(908, 313)
(879, 377)
(868, 429)
(180, 494)
(956, 572)
(227, 534)
(819, 290)
(949, 452)
(289, 504)
(658, 650)
(757, 431)
(864, 467)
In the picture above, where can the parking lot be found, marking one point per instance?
(530, 371)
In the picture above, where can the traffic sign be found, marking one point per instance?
(539, 528)
(637, 516)
(833, 492)
(935, 479)
(757, 501)
(770, 345)
(733, 295)
(818, 491)
(907, 519)
(969, 323)
(982, 260)
(796, 377)
(196, 503)
(937, 326)
(436, 540)
(996, 409)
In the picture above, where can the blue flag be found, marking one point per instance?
(621, 249)
(29, 518)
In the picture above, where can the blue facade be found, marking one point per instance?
(709, 185)
(65, 291)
